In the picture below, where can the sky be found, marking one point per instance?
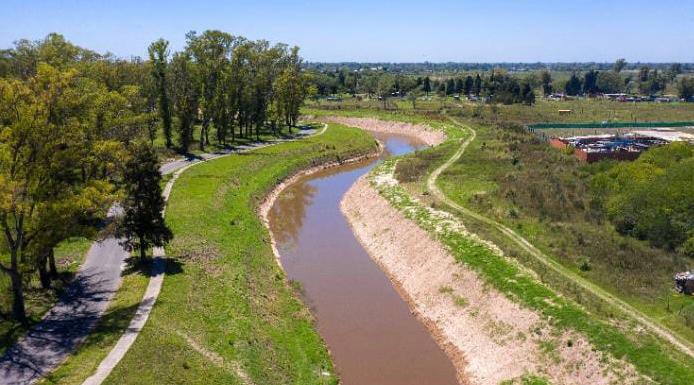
(377, 31)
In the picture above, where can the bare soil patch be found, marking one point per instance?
(425, 133)
(488, 337)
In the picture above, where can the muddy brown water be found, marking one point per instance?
(372, 336)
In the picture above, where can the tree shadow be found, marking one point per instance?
(147, 268)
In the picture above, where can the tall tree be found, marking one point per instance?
(546, 81)
(142, 225)
(49, 173)
(158, 55)
(590, 82)
(211, 51)
(467, 87)
(619, 65)
(477, 85)
(573, 86)
(185, 94)
(426, 85)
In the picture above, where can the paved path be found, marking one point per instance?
(49, 342)
(159, 267)
(70, 320)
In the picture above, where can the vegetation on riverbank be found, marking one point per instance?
(648, 355)
(226, 313)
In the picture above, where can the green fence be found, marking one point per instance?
(544, 126)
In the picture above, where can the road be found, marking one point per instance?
(72, 318)
(646, 321)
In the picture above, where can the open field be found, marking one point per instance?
(583, 110)
(237, 317)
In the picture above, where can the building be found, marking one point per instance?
(684, 282)
(593, 148)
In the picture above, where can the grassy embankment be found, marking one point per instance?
(544, 195)
(648, 355)
(226, 313)
(69, 256)
(602, 325)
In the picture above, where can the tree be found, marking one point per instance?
(573, 86)
(142, 225)
(210, 50)
(686, 89)
(674, 70)
(158, 55)
(619, 65)
(426, 85)
(467, 87)
(477, 85)
(412, 96)
(590, 82)
(609, 82)
(184, 93)
(50, 168)
(385, 88)
(546, 81)
(459, 86)
(527, 94)
(450, 87)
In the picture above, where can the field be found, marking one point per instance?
(226, 313)
(583, 110)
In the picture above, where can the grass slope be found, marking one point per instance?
(647, 354)
(225, 313)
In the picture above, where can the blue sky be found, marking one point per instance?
(357, 30)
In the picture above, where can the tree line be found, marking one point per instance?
(78, 128)
(648, 81)
(497, 86)
(236, 85)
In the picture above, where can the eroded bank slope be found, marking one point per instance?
(489, 337)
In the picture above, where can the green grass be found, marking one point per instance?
(584, 110)
(84, 361)
(648, 355)
(69, 255)
(226, 309)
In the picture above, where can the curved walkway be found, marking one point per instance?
(684, 346)
(158, 268)
(73, 317)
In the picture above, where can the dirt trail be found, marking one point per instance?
(648, 322)
(489, 337)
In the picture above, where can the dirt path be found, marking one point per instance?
(488, 337)
(648, 322)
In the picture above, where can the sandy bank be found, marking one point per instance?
(423, 132)
(488, 337)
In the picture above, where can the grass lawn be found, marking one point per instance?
(226, 313)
